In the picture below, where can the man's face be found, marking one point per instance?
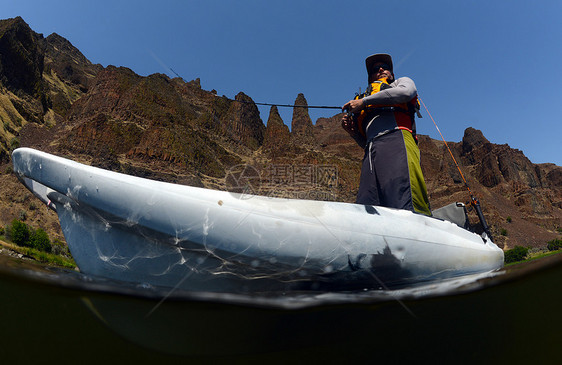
(380, 70)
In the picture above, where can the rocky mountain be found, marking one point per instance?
(54, 99)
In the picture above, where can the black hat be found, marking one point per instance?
(379, 57)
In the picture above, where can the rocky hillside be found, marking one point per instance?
(52, 98)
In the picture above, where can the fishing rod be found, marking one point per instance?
(295, 106)
(291, 105)
(473, 200)
(271, 104)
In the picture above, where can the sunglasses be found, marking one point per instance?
(384, 66)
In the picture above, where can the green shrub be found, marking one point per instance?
(518, 253)
(509, 219)
(554, 245)
(20, 233)
(503, 232)
(40, 240)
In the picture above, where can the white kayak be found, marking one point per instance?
(150, 232)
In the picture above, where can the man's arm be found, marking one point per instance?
(402, 91)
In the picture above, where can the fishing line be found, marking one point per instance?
(447, 145)
(473, 200)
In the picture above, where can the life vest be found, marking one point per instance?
(404, 113)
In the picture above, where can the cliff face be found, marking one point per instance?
(68, 63)
(21, 64)
(22, 88)
(522, 200)
(162, 120)
(54, 99)
(40, 78)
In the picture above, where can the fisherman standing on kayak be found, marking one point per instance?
(383, 123)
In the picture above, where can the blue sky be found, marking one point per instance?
(491, 65)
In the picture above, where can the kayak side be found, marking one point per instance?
(140, 230)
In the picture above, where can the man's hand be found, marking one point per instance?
(349, 125)
(354, 106)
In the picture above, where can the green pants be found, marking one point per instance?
(391, 174)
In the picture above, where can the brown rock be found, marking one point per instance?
(277, 135)
(21, 64)
(242, 122)
(301, 125)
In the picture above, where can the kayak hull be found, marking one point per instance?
(149, 232)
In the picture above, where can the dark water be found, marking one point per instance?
(50, 315)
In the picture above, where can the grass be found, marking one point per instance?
(535, 256)
(40, 256)
(541, 254)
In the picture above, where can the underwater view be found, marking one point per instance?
(57, 315)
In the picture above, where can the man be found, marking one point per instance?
(382, 122)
